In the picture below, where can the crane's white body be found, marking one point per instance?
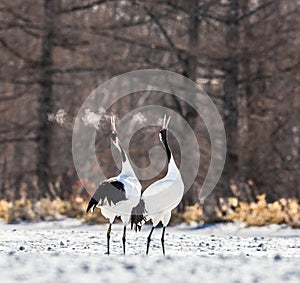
(132, 189)
(164, 195)
(123, 208)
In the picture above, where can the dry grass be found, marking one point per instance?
(192, 214)
(45, 209)
(257, 213)
(260, 213)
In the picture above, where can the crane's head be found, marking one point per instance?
(164, 130)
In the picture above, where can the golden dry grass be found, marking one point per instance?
(192, 214)
(45, 209)
(260, 213)
(257, 213)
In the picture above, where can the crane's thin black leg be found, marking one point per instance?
(163, 239)
(108, 237)
(149, 240)
(124, 239)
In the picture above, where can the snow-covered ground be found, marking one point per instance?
(67, 251)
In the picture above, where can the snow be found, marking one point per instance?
(69, 251)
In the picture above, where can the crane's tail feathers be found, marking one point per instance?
(108, 193)
(92, 204)
(138, 218)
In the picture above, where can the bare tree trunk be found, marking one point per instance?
(230, 113)
(45, 102)
(190, 71)
(190, 67)
(3, 179)
(230, 88)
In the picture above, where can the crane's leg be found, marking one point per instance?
(149, 239)
(163, 239)
(108, 237)
(124, 239)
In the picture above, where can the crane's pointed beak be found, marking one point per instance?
(113, 124)
(166, 122)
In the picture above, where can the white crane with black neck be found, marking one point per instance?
(162, 196)
(118, 195)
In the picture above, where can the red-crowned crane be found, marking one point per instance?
(162, 196)
(118, 195)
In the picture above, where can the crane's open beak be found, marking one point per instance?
(166, 122)
(113, 123)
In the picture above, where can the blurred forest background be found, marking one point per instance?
(245, 54)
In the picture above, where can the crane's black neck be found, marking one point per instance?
(164, 140)
(123, 154)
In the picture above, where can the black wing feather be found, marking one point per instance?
(111, 191)
(138, 215)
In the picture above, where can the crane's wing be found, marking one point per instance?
(138, 217)
(111, 191)
(163, 195)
